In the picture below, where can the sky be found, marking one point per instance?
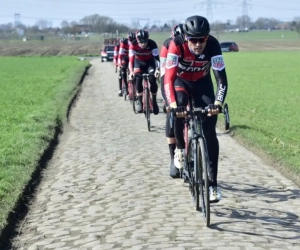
(156, 11)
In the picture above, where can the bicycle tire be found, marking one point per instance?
(196, 176)
(203, 180)
(147, 110)
(226, 117)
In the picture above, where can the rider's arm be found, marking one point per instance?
(121, 53)
(218, 67)
(155, 53)
(116, 55)
(171, 72)
(131, 57)
(163, 58)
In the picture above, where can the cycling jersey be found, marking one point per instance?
(123, 51)
(139, 54)
(182, 62)
(116, 53)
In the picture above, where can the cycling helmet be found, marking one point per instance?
(122, 40)
(177, 30)
(131, 36)
(142, 36)
(196, 26)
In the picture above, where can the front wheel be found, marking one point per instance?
(202, 179)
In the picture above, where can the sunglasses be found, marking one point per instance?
(142, 41)
(197, 39)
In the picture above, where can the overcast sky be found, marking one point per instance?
(123, 11)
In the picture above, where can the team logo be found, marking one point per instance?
(217, 62)
(172, 61)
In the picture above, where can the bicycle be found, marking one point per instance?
(147, 100)
(196, 169)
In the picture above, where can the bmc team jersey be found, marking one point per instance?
(124, 50)
(136, 52)
(182, 62)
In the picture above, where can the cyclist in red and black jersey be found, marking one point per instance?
(115, 61)
(188, 65)
(123, 57)
(176, 31)
(144, 58)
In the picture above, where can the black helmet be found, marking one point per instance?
(177, 30)
(131, 36)
(122, 40)
(142, 36)
(196, 26)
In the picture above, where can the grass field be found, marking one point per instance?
(35, 93)
(263, 98)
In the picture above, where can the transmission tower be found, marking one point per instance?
(17, 19)
(245, 16)
(209, 4)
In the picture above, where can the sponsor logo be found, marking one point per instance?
(172, 61)
(217, 62)
(202, 56)
(167, 92)
(221, 93)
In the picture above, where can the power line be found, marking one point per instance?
(209, 4)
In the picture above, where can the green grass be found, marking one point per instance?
(35, 93)
(263, 98)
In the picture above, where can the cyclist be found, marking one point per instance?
(116, 55)
(188, 73)
(176, 31)
(144, 58)
(123, 58)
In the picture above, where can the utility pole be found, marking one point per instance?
(209, 4)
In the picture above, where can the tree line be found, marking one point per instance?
(103, 24)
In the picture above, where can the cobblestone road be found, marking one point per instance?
(108, 188)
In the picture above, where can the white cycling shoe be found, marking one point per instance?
(215, 194)
(179, 158)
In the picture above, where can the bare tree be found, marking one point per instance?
(42, 24)
(244, 21)
(218, 27)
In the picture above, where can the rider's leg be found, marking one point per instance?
(139, 90)
(120, 83)
(182, 101)
(153, 90)
(174, 172)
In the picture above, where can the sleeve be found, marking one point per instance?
(218, 67)
(121, 53)
(163, 58)
(155, 53)
(116, 55)
(171, 72)
(131, 57)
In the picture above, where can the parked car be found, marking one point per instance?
(107, 54)
(229, 46)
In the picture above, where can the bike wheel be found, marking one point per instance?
(226, 117)
(202, 179)
(147, 100)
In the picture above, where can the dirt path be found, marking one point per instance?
(108, 188)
